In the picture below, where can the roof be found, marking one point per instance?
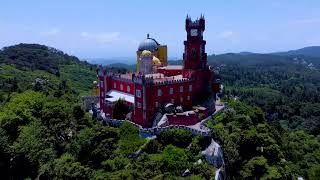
(116, 95)
(172, 67)
(149, 44)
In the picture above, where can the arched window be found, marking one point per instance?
(159, 92)
(171, 91)
(181, 88)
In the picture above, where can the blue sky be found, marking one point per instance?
(108, 29)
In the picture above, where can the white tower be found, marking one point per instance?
(146, 62)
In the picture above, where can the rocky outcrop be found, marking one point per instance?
(214, 156)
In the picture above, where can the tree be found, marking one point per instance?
(33, 148)
(175, 159)
(255, 168)
(120, 109)
(66, 167)
(177, 137)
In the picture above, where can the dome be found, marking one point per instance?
(149, 44)
(146, 53)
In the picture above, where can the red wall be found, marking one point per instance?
(182, 119)
(167, 97)
(170, 72)
(118, 83)
(138, 112)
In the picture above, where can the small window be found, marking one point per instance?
(128, 88)
(121, 87)
(157, 104)
(181, 88)
(138, 93)
(181, 99)
(114, 85)
(138, 105)
(172, 101)
(171, 91)
(190, 87)
(159, 92)
(188, 98)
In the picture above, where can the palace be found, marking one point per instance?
(159, 94)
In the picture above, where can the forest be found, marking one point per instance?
(269, 130)
(287, 90)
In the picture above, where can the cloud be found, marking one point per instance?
(51, 32)
(313, 41)
(307, 21)
(104, 37)
(226, 34)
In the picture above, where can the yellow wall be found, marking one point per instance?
(161, 54)
(138, 62)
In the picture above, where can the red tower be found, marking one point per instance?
(194, 56)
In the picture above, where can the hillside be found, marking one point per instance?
(270, 129)
(45, 134)
(36, 57)
(312, 51)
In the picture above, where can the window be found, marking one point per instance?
(114, 85)
(171, 91)
(128, 88)
(172, 101)
(121, 87)
(159, 92)
(157, 104)
(138, 105)
(188, 98)
(181, 88)
(190, 87)
(138, 93)
(181, 99)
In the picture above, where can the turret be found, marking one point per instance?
(194, 56)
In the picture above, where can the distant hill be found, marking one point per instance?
(130, 67)
(108, 61)
(22, 64)
(312, 51)
(36, 57)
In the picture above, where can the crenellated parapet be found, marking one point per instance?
(142, 79)
(177, 81)
(119, 77)
(196, 23)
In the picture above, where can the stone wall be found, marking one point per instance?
(147, 132)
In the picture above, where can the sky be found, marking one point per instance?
(114, 28)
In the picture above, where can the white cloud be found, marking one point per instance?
(51, 32)
(104, 37)
(307, 21)
(226, 34)
(313, 41)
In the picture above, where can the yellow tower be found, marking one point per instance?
(157, 50)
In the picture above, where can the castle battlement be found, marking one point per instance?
(122, 77)
(178, 81)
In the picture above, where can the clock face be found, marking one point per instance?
(194, 32)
